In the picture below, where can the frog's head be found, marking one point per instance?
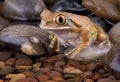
(56, 20)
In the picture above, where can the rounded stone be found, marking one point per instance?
(23, 9)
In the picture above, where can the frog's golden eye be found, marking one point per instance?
(60, 19)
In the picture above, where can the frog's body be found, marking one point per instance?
(72, 30)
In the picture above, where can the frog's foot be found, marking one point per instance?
(103, 43)
(73, 53)
(58, 48)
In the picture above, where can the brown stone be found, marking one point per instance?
(59, 63)
(88, 80)
(58, 69)
(45, 69)
(87, 74)
(58, 79)
(97, 76)
(28, 73)
(42, 77)
(24, 61)
(10, 61)
(29, 79)
(53, 74)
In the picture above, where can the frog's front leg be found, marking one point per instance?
(54, 42)
(102, 36)
(85, 37)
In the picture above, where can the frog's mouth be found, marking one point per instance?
(57, 28)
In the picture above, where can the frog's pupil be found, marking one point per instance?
(61, 20)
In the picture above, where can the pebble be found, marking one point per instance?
(27, 67)
(72, 70)
(50, 81)
(68, 76)
(5, 55)
(102, 71)
(53, 74)
(2, 64)
(3, 23)
(58, 69)
(97, 76)
(91, 66)
(24, 61)
(36, 65)
(28, 73)
(10, 62)
(88, 80)
(1, 80)
(114, 33)
(17, 77)
(81, 67)
(59, 63)
(42, 77)
(58, 79)
(87, 74)
(74, 80)
(108, 80)
(29, 79)
(7, 70)
(45, 69)
(104, 80)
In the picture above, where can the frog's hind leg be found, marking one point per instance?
(102, 36)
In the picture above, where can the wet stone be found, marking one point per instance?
(58, 79)
(87, 74)
(6, 70)
(53, 74)
(97, 76)
(27, 39)
(72, 70)
(24, 61)
(68, 76)
(2, 64)
(3, 23)
(23, 9)
(114, 33)
(107, 9)
(29, 79)
(5, 55)
(74, 80)
(112, 60)
(28, 73)
(17, 77)
(42, 77)
(10, 62)
(58, 69)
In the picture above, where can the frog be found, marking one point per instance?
(69, 29)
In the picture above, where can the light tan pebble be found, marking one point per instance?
(1, 80)
(50, 81)
(2, 64)
(17, 77)
(28, 67)
(72, 70)
(36, 65)
(9, 76)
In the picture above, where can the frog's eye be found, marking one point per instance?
(60, 19)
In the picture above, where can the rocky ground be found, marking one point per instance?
(16, 67)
